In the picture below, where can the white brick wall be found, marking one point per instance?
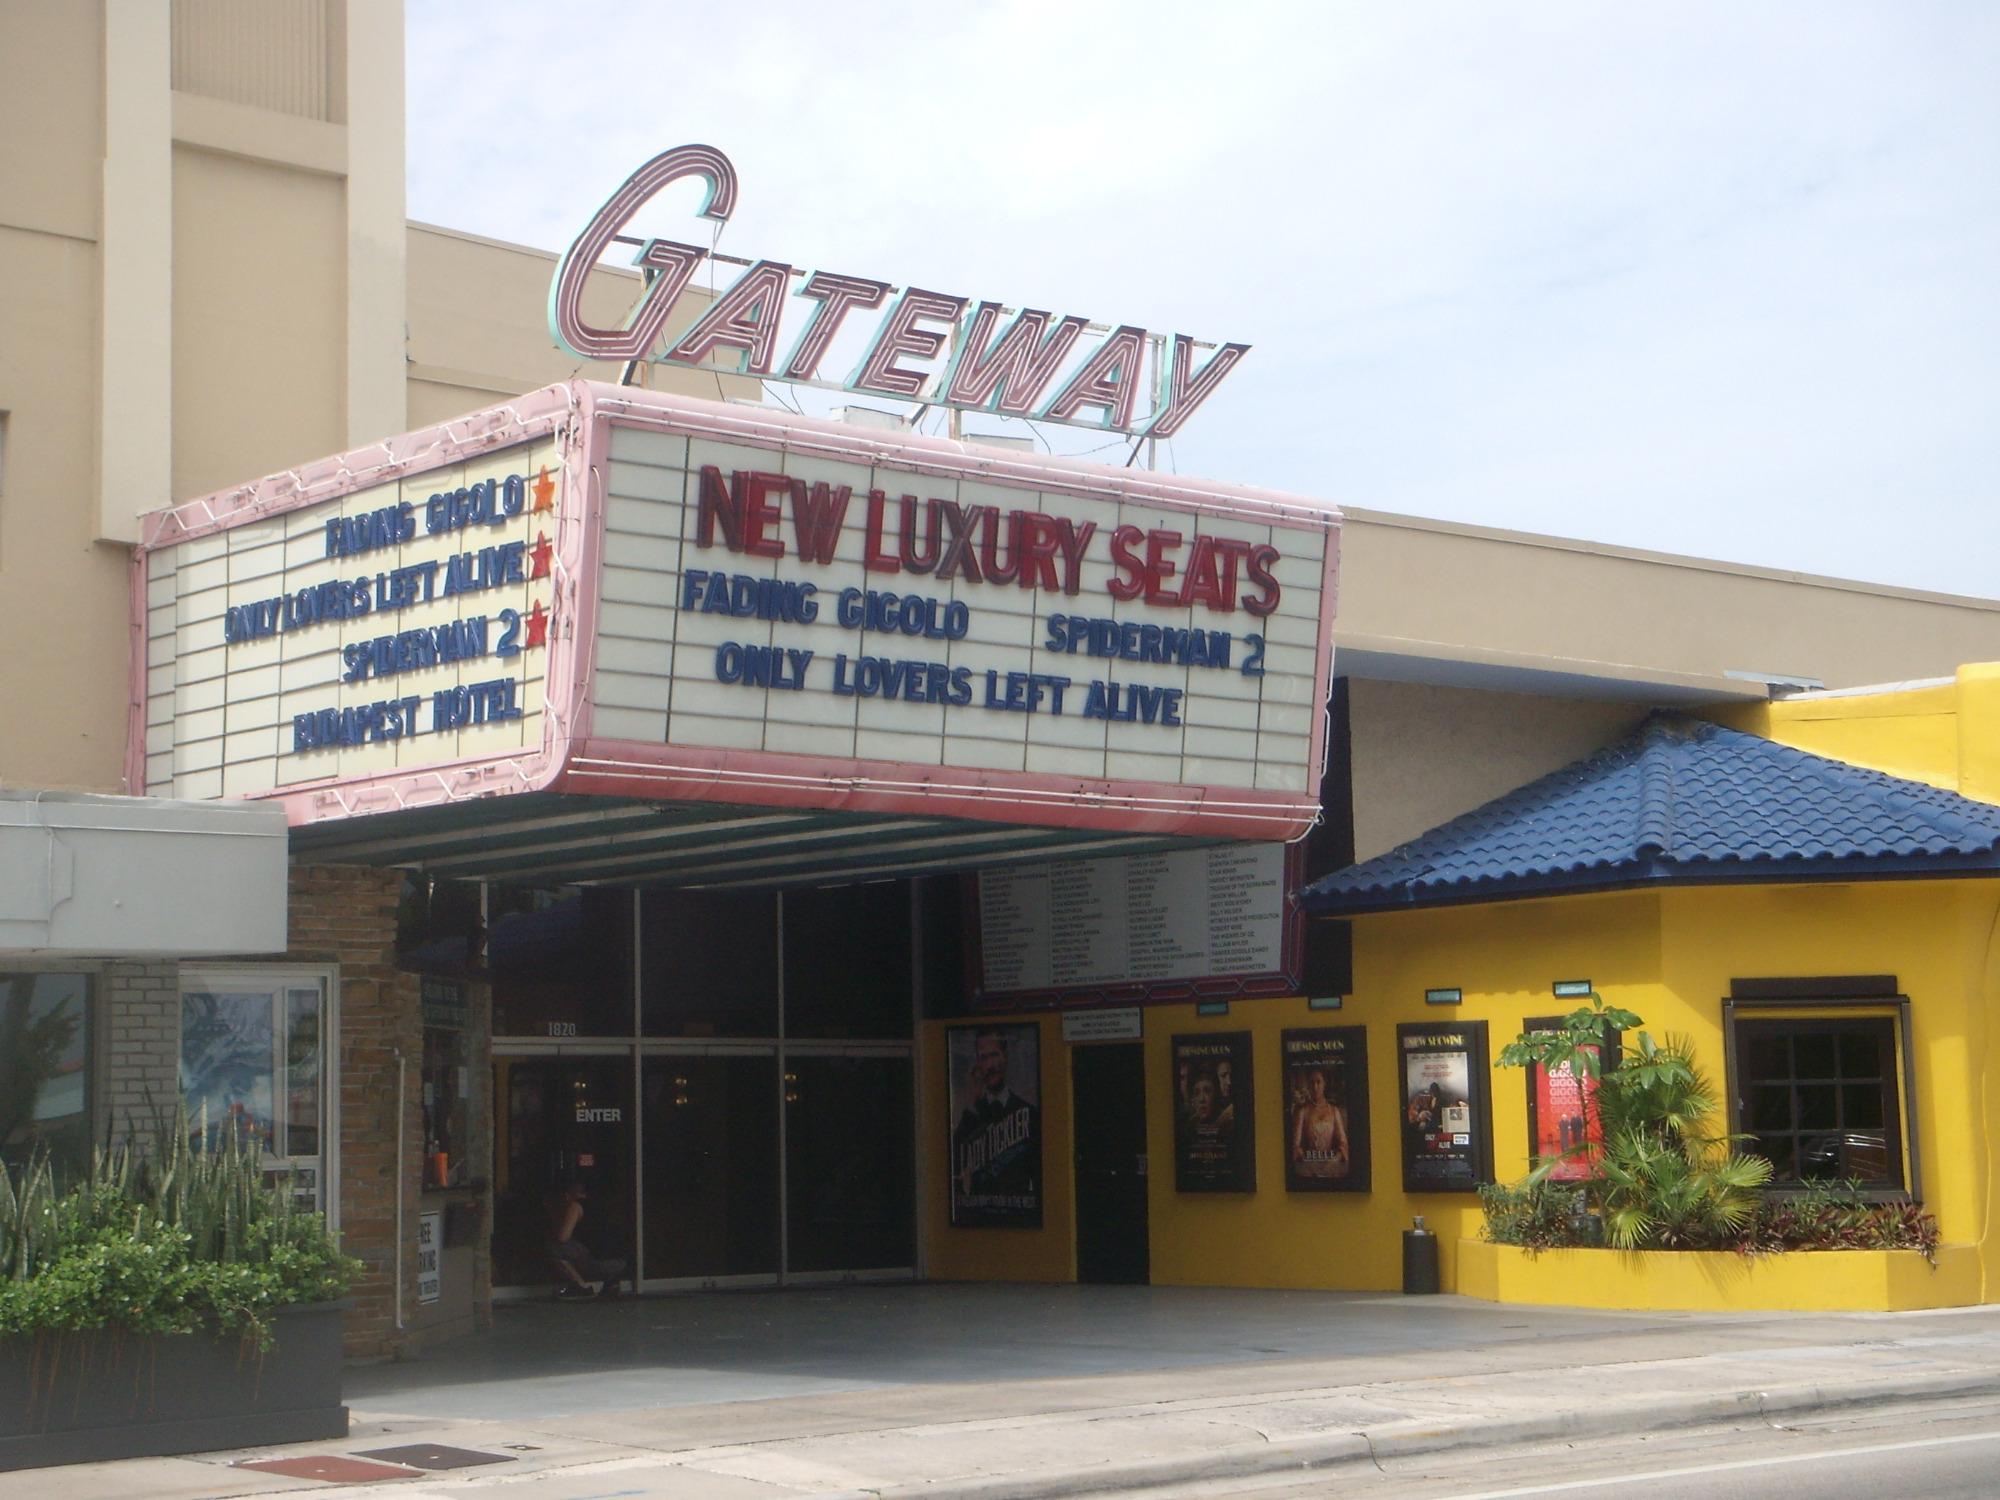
(138, 1024)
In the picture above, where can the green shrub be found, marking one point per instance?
(1668, 1180)
(1534, 1215)
(186, 1238)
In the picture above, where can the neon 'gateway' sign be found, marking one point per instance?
(933, 347)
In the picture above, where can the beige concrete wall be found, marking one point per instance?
(135, 271)
(276, 55)
(1422, 755)
(479, 333)
(1428, 589)
(259, 319)
(51, 116)
(64, 686)
(376, 289)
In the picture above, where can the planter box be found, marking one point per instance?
(81, 1397)
(1720, 1280)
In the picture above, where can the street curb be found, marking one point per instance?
(1423, 1435)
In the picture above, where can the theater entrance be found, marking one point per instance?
(561, 1120)
(734, 1167)
(728, 1075)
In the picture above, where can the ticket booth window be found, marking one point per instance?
(1821, 1078)
(254, 1049)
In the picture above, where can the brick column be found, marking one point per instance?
(346, 915)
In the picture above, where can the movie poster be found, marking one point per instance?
(1562, 1109)
(1325, 1076)
(1215, 1133)
(226, 1065)
(1447, 1147)
(995, 1084)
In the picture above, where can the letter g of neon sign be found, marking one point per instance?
(677, 262)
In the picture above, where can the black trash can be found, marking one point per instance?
(1420, 1261)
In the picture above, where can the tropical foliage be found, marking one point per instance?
(181, 1238)
(1666, 1177)
(1532, 1215)
(1835, 1216)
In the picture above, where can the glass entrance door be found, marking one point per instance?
(710, 1137)
(849, 1172)
(561, 1120)
(728, 1164)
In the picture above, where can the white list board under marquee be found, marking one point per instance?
(417, 637)
(710, 645)
(1141, 918)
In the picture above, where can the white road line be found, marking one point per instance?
(1745, 1463)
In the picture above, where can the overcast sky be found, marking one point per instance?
(1713, 278)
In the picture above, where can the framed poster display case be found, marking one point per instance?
(993, 1078)
(1446, 1115)
(1324, 1073)
(1215, 1124)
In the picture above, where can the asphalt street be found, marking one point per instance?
(1941, 1452)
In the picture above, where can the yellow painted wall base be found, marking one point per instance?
(1719, 1280)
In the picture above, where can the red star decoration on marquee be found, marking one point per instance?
(540, 552)
(538, 626)
(545, 491)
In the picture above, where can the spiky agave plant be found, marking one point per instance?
(215, 1192)
(30, 1218)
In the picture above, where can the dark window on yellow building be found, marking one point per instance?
(1818, 1098)
(1822, 1079)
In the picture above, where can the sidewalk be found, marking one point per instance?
(1516, 1376)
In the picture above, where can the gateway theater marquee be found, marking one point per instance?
(609, 590)
(604, 590)
(637, 725)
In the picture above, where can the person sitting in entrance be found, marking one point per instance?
(575, 1264)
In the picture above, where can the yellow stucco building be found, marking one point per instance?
(1858, 937)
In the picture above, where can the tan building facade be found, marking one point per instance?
(207, 275)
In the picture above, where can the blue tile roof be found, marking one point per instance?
(1678, 801)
